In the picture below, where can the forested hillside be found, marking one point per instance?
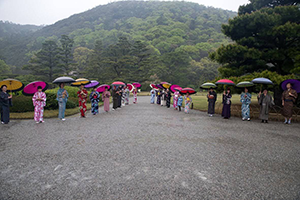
(176, 35)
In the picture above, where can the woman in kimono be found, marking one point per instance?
(163, 98)
(120, 97)
(175, 99)
(82, 96)
(168, 98)
(246, 100)
(94, 97)
(188, 103)
(158, 98)
(62, 98)
(5, 102)
(179, 101)
(134, 95)
(126, 92)
(152, 92)
(211, 98)
(39, 102)
(105, 99)
(115, 94)
(289, 97)
(265, 101)
(226, 104)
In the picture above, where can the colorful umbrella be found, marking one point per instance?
(159, 86)
(92, 84)
(165, 85)
(295, 84)
(225, 82)
(13, 85)
(153, 86)
(173, 88)
(64, 79)
(207, 86)
(117, 83)
(264, 81)
(244, 84)
(188, 90)
(130, 87)
(137, 85)
(80, 81)
(31, 88)
(101, 88)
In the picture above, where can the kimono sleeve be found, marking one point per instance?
(34, 99)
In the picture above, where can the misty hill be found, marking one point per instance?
(165, 26)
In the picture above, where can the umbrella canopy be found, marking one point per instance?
(130, 87)
(153, 86)
(137, 85)
(173, 88)
(31, 88)
(244, 84)
(295, 84)
(225, 82)
(165, 85)
(101, 88)
(159, 86)
(80, 81)
(13, 85)
(117, 83)
(92, 84)
(208, 86)
(188, 90)
(264, 81)
(64, 79)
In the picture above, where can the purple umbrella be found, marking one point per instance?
(101, 88)
(295, 84)
(92, 84)
(159, 86)
(31, 88)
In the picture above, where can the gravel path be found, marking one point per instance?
(145, 151)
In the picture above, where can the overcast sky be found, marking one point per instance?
(45, 12)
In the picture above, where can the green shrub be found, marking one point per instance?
(22, 104)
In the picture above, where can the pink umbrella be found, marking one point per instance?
(188, 90)
(101, 88)
(31, 88)
(130, 87)
(225, 82)
(118, 83)
(137, 85)
(173, 88)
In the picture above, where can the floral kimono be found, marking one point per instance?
(126, 92)
(152, 92)
(94, 97)
(82, 95)
(134, 96)
(39, 106)
(175, 99)
(62, 102)
(226, 111)
(188, 102)
(246, 100)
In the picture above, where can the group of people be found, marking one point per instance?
(163, 98)
(120, 95)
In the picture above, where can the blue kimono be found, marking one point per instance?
(179, 102)
(94, 97)
(152, 96)
(62, 102)
(246, 100)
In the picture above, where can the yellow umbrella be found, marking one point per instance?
(80, 81)
(13, 85)
(166, 84)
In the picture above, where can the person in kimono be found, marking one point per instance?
(62, 98)
(179, 101)
(289, 97)
(120, 96)
(163, 98)
(94, 97)
(123, 96)
(188, 102)
(175, 99)
(126, 92)
(246, 100)
(39, 102)
(265, 101)
(82, 96)
(226, 111)
(5, 102)
(152, 92)
(211, 98)
(115, 94)
(158, 97)
(105, 99)
(134, 95)
(168, 98)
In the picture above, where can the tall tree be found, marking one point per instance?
(66, 54)
(45, 63)
(81, 57)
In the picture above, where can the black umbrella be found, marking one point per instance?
(64, 79)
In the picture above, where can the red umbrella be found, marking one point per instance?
(137, 85)
(118, 83)
(101, 88)
(173, 88)
(153, 86)
(225, 82)
(130, 87)
(188, 90)
(31, 88)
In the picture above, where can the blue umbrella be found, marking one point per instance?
(264, 81)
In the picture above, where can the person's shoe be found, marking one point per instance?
(37, 122)
(2, 122)
(243, 119)
(289, 122)
(113, 109)
(266, 121)
(63, 119)
(262, 121)
(42, 121)
(248, 119)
